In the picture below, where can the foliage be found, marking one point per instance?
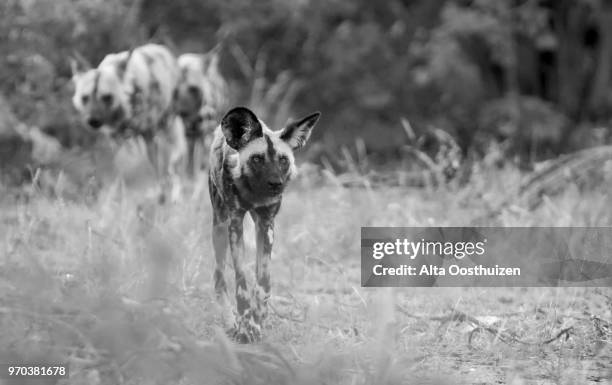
(363, 64)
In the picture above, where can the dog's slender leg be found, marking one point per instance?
(248, 330)
(153, 154)
(264, 221)
(177, 148)
(173, 179)
(191, 142)
(236, 243)
(220, 243)
(200, 165)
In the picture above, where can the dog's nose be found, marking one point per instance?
(194, 90)
(275, 185)
(94, 123)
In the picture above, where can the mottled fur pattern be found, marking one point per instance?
(201, 97)
(131, 94)
(250, 166)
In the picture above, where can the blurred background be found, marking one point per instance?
(505, 104)
(532, 77)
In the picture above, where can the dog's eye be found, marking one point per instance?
(283, 160)
(85, 99)
(257, 159)
(107, 99)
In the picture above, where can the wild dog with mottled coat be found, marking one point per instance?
(250, 166)
(131, 94)
(201, 98)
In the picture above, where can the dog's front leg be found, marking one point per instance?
(264, 221)
(176, 151)
(247, 330)
(191, 143)
(220, 240)
(153, 154)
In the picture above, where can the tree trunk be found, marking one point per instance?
(569, 26)
(600, 85)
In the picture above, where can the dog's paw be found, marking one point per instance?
(247, 330)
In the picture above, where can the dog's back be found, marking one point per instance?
(152, 73)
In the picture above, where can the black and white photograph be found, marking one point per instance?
(301, 192)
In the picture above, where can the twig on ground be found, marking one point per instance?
(504, 336)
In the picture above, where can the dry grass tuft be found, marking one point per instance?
(120, 288)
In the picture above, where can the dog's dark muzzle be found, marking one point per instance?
(276, 187)
(94, 123)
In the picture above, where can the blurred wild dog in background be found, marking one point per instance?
(201, 98)
(250, 166)
(130, 94)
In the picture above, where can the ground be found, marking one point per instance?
(122, 289)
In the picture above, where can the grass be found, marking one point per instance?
(125, 294)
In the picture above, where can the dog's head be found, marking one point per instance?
(191, 94)
(265, 158)
(100, 95)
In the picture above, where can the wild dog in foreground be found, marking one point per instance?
(130, 94)
(250, 166)
(201, 98)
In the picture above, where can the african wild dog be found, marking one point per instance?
(201, 97)
(130, 94)
(249, 168)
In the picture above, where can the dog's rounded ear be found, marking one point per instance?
(297, 133)
(78, 64)
(122, 65)
(210, 60)
(240, 125)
